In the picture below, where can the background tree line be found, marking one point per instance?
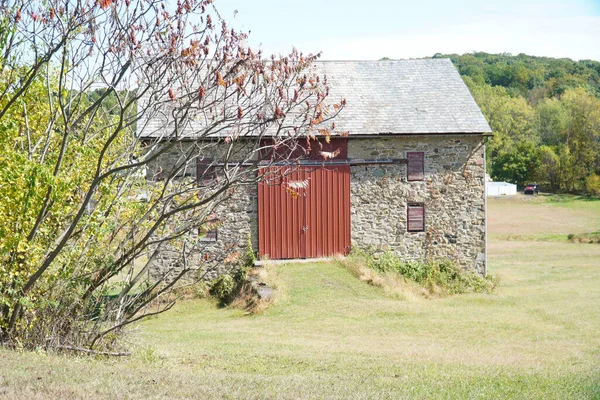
(545, 114)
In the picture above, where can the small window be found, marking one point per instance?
(205, 171)
(415, 165)
(415, 217)
(208, 232)
(208, 236)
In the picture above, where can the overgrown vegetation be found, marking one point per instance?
(242, 286)
(545, 114)
(222, 288)
(440, 277)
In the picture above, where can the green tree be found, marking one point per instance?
(519, 165)
(548, 170)
(552, 122)
(511, 120)
(583, 133)
(531, 101)
(592, 184)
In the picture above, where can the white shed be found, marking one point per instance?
(500, 189)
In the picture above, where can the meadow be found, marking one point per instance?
(330, 335)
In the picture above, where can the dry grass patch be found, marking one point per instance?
(392, 284)
(590, 238)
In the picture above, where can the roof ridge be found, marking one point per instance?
(384, 61)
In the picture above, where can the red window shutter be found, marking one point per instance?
(416, 165)
(416, 217)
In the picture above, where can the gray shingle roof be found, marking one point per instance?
(402, 97)
(383, 97)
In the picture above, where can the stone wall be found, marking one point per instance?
(239, 219)
(452, 192)
(237, 213)
(239, 216)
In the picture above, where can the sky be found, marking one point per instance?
(372, 29)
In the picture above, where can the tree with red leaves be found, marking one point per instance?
(93, 95)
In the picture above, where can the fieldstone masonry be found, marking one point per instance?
(452, 192)
(238, 216)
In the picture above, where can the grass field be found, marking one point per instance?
(332, 336)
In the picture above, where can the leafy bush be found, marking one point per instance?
(200, 289)
(222, 288)
(592, 185)
(227, 286)
(437, 276)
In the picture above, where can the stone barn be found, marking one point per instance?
(409, 178)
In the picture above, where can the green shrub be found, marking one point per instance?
(592, 185)
(222, 288)
(250, 256)
(440, 275)
(240, 274)
(200, 289)
(227, 286)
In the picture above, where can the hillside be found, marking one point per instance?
(545, 114)
(534, 78)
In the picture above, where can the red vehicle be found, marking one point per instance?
(532, 188)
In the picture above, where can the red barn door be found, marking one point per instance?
(304, 212)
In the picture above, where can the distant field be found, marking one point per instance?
(542, 217)
(332, 336)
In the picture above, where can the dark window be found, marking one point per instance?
(205, 171)
(415, 165)
(208, 236)
(416, 217)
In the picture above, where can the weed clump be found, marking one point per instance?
(593, 237)
(222, 288)
(441, 277)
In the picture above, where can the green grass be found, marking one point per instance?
(332, 336)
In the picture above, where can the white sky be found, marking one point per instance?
(373, 29)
